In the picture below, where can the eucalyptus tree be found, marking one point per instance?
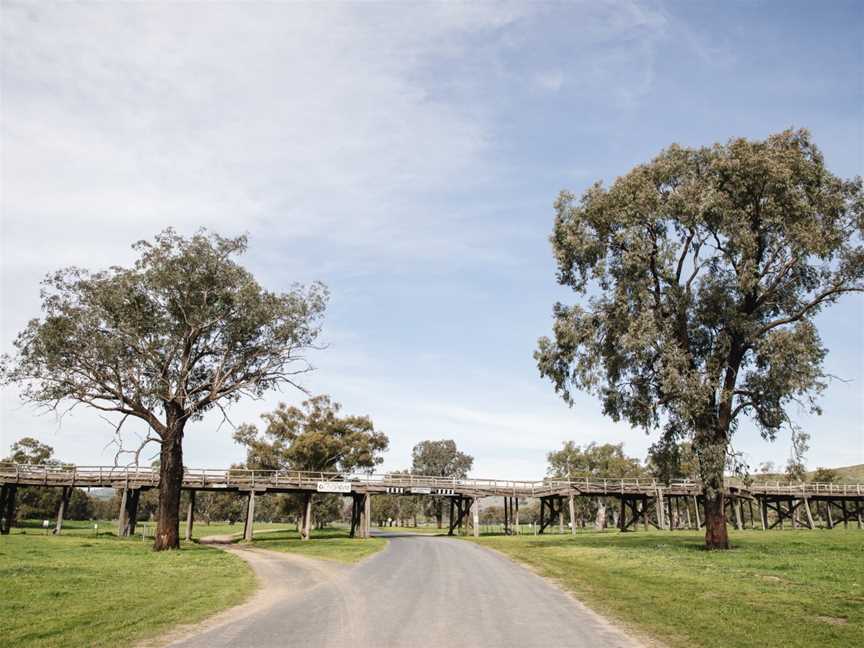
(440, 459)
(701, 273)
(593, 460)
(313, 437)
(183, 331)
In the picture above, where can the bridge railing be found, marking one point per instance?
(145, 476)
(811, 489)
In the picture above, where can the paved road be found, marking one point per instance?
(420, 591)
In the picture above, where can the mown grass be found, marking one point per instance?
(326, 544)
(791, 589)
(425, 530)
(71, 590)
(223, 528)
(79, 528)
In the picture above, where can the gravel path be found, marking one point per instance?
(419, 591)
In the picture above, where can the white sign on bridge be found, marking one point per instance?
(334, 487)
(421, 490)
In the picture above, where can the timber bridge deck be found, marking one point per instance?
(645, 500)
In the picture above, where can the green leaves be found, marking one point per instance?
(186, 327)
(440, 459)
(700, 265)
(313, 437)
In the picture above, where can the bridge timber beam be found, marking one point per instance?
(190, 516)
(250, 516)
(61, 509)
(8, 493)
(128, 515)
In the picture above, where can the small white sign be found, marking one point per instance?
(421, 490)
(334, 487)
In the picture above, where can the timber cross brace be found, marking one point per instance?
(555, 506)
(460, 507)
(639, 510)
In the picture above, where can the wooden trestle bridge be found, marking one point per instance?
(645, 501)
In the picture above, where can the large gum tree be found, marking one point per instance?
(701, 274)
(185, 330)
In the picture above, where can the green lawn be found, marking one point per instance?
(203, 530)
(70, 527)
(328, 544)
(781, 588)
(425, 530)
(83, 591)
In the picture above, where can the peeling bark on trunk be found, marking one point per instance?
(712, 459)
(600, 520)
(171, 481)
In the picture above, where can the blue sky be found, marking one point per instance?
(408, 156)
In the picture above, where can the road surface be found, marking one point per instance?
(419, 591)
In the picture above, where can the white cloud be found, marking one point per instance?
(354, 128)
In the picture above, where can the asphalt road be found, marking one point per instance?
(420, 591)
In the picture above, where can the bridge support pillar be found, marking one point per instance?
(367, 513)
(561, 515)
(808, 513)
(572, 514)
(128, 512)
(506, 515)
(736, 506)
(190, 516)
(61, 510)
(659, 508)
(357, 507)
(475, 517)
(7, 507)
(555, 505)
(121, 515)
(250, 517)
(306, 527)
(516, 515)
(132, 511)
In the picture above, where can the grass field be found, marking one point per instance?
(780, 588)
(78, 528)
(327, 544)
(426, 530)
(202, 530)
(73, 590)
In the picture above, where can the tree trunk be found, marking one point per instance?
(712, 459)
(170, 483)
(600, 520)
(307, 516)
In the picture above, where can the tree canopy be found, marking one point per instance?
(313, 437)
(607, 460)
(440, 459)
(704, 270)
(28, 450)
(184, 330)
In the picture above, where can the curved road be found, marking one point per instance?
(419, 591)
